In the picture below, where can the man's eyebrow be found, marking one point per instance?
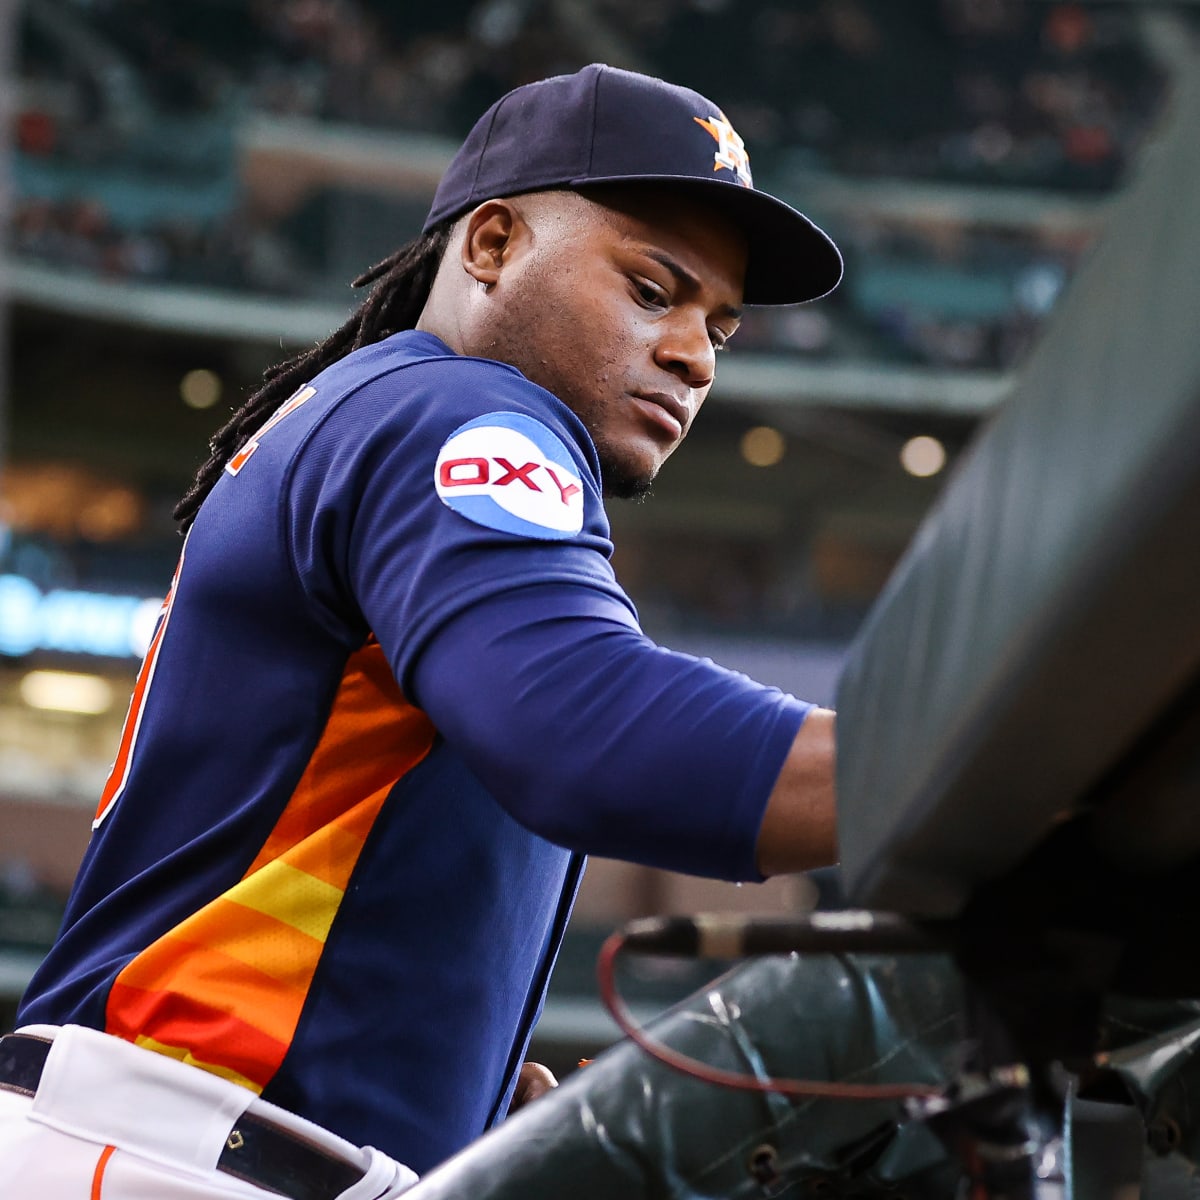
(685, 277)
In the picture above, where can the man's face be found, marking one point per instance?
(620, 309)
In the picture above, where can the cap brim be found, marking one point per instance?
(790, 259)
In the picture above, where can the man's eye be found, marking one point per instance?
(719, 339)
(649, 293)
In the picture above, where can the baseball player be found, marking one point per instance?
(396, 693)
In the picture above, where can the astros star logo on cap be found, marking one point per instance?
(731, 150)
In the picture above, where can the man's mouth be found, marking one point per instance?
(664, 410)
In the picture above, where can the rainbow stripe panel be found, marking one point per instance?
(224, 989)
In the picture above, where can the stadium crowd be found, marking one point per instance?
(127, 159)
(994, 90)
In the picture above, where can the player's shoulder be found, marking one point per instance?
(414, 386)
(496, 448)
(414, 364)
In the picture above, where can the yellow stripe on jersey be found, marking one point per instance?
(292, 896)
(184, 1057)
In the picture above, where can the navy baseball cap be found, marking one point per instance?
(605, 125)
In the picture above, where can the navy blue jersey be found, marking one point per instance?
(394, 696)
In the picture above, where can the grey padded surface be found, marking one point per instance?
(1048, 610)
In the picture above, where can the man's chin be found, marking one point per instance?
(621, 482)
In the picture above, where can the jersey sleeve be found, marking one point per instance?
(457, 508)
(604, 742)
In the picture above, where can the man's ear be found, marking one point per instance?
(492, 232)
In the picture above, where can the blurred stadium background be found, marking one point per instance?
(187, 189)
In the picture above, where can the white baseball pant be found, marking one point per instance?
(111, 1121)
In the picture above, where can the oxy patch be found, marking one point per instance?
(509, 472)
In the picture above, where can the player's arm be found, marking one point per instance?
(516, 639)
(799, 828)
(598, 739)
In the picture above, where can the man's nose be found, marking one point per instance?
(686, 350)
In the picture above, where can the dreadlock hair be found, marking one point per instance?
(401, 286)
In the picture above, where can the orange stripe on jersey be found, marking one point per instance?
(254, 951)
(339, 841)
(119, 773)
(208, 981)
(231, 976)
(370, 713)
(184, 1021)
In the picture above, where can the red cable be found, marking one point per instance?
(606, 975)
